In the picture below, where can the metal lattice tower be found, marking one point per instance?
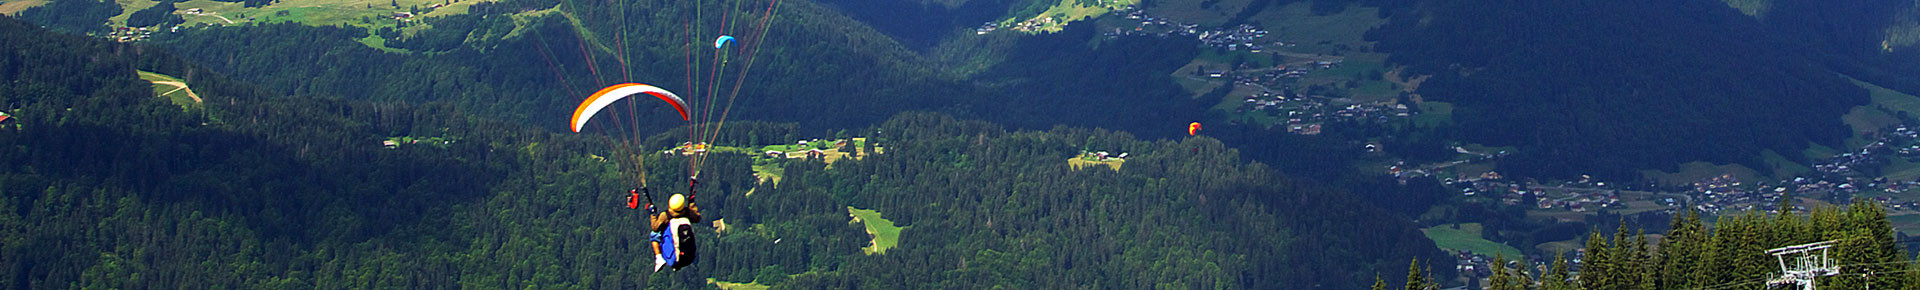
(1800, 264)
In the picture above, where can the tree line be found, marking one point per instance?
(1732, 253)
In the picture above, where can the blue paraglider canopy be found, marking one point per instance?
(722, 41)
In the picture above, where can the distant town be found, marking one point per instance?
(1261, 94)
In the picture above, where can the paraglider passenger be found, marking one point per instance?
(678, 206)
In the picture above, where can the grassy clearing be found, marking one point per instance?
(1222, 58)
(1880, 113)
(1070, 11)
(724, 285)
(1434, 114)
(1353, 68)
(1755, 8)
(1081, 163)
(1195, 12)
(1697, 170)
(769, 172)
(1467, 238)
(1816, 151)
(1296, 24)
(1782, 166)
(1472, 169)
(170, 87)
(885, 234)
(9, 8)
(1194, 85)
(1639, 206)
(1907, 223)
(1567, 246)
(1375, 91)
(1891, 99)
(372, 14)
(1866, 119)
(1362, 76)
(1901, 169)
(176, 94)
(822, 145)
(157, 77)
(1188, 77)
(380, 43)
(1559, 214)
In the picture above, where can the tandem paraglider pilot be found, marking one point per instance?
(671, 232)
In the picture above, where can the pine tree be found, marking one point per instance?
(1751, 259)
(1621, 259)
(1788, 228)
(1643, 272)
(1413, 275)
(1625, 260)
(1910, 279)
(1556, 277)
(1523, 275)
(1379, 284)
(1498, 281)
(1865, 240)
(1705, 272)
(1429, 282)
(1677, 255)
(1595, 271)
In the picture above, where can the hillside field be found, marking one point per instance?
(1467, 238)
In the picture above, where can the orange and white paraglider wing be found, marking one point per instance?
(600, 100)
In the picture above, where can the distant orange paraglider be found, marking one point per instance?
(1193, 129)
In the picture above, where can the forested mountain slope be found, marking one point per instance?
(106, 185)
(817, 65)
(1607, 87)
(1874, 40)
(990, 207)
(533, 60)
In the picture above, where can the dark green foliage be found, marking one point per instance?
(816, 66)
(922, 24)
(812, 64)
(108, 185)
(988, 207)
(1046, 82)
(105, 185)
(1732, 255)
(1849, 36)
(1500, 279)
(75, 16)
(159, 15)
(1414, 279)
(1609, 87)
(1556, 277)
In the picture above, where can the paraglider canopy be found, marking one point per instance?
(721, 42)
(1193, 129)
(608, 95)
